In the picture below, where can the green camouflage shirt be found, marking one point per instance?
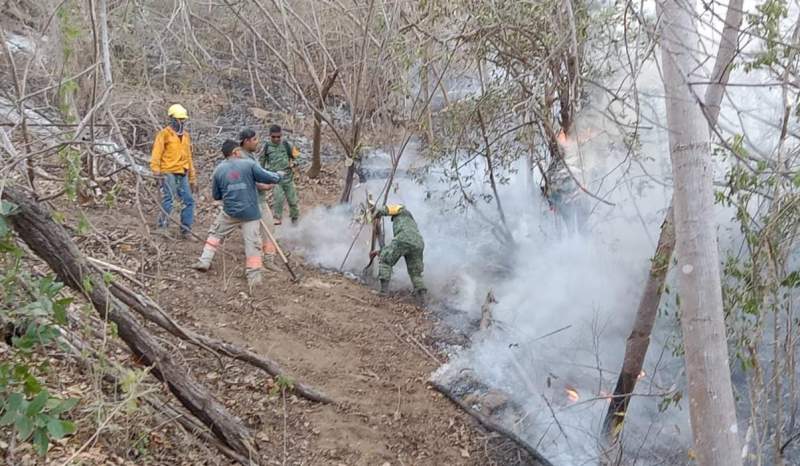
(404, 226)
(277, 156)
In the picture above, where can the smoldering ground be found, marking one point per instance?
(565, 299)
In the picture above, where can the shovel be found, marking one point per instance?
(277, 246)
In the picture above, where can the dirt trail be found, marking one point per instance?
(363, 350)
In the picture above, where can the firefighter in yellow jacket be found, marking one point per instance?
(171, 162)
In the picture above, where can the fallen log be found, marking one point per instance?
(87, 357)
(50, 241)
(170, 412)
(538, 459)
(153, 312)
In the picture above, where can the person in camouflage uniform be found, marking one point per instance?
(279, 157)
(407, 243)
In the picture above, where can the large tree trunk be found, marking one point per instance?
(51, 243)
(316, 146)
(639, 339)
(711, 406)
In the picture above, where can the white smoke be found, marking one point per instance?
(585, 287)
(589, 283)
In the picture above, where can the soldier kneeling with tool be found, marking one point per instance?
(407, 243)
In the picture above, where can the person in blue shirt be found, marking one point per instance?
(234, 183)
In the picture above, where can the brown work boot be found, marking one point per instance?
(201, 266)
(254, 281)
(269, 263)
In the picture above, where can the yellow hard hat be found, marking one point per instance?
(177, 111)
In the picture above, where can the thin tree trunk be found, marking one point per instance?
(105, 41)
(90, 161)
(355, 159)
(316, 160)
(19, 90)
(490, 169)
(357, 116)
(711, 406)
(639, 339)
(51, 243)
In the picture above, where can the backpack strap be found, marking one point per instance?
(265, 156)
(288, 148)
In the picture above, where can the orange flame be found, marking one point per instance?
(572, 394)
(584, 135)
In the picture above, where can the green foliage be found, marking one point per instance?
(35, 308)
(282, 384)
(37, 419)
(111, 195)
(83, 225)
(69, 20)
(130, 383)
(66, 92)
(460, 153)
(766, 23)
(72, 161)
(673, 399)
(531, 87)
(759, 278)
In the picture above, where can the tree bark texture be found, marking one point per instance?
(316, 147)
(105, 41)
(639, 340)
(711, 406)
(51, 242)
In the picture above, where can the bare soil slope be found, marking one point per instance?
(373, 355)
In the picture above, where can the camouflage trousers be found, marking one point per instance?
(285, 191)
(392, 253)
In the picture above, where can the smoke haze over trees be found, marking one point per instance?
(609, 195)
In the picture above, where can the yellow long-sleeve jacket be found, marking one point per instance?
(172, 154)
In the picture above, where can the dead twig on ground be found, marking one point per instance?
(152, 312)
(490, 425)
(50, 241)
